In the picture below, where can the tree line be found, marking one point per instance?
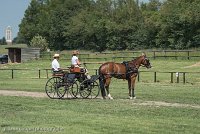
(112, 24)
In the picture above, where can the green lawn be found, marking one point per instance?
(79, 116)
(121, 115)
(159, 66)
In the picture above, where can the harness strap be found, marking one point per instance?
(129, 69)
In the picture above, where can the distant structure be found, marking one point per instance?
(9, 35)
(21, 54)
(137, 2)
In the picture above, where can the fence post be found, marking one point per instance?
(39, 73)
(96, 71)
(177, 76)
(172, 77)
(154, 76)
(47, 73)
(12, 73)
(176, 55)
(138, 76)
(154, 55)
(188, 53)
(184, 78)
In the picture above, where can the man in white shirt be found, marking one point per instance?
(55, 64)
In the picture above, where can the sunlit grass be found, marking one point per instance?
(94, 116)
(120, 115)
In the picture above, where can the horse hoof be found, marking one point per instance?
(110, 97)
(132, 98)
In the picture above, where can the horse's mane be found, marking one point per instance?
(134, 60)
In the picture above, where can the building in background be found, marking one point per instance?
(22, 54)
(9, 35)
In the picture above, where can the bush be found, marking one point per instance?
(39, 42)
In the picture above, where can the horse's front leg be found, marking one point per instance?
(132, 88)
(129, 88)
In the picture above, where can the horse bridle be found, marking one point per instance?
(147, 60)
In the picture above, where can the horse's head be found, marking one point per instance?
(145, 61)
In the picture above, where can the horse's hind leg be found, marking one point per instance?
(107, 84)
(102, 87)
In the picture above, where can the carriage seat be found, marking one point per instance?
(74, 69)
(57, 74)
(60, 73)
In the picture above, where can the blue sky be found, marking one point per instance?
(11, 14)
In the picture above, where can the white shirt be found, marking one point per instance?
(55, 65)
(74, 60)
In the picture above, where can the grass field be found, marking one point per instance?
(23, 115)
(121, 115)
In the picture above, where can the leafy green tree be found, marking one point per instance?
(29, 25)
(60, 21)
(3, 41)
(112, 24)
(119, 22)
(180, 24)
(151, 24)
(39, 42)
(127, 20)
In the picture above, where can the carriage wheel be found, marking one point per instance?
(54, 88)
(85, 88)
(72, 90)
(94, 90)
(61, 91)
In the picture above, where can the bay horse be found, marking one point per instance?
(126, 70)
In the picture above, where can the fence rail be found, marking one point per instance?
(153, 54)
(175, 77)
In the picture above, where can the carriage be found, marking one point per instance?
(72, 84)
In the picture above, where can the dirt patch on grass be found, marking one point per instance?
(22, 93)
(194, 65)
(137, 102)
(166, 104)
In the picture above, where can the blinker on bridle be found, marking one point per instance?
(145, 59)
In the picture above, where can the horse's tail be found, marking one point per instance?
(101, 83)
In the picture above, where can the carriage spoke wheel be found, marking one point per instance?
(72, 90)
(54, 88)
(94, 90)
(85, 88)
